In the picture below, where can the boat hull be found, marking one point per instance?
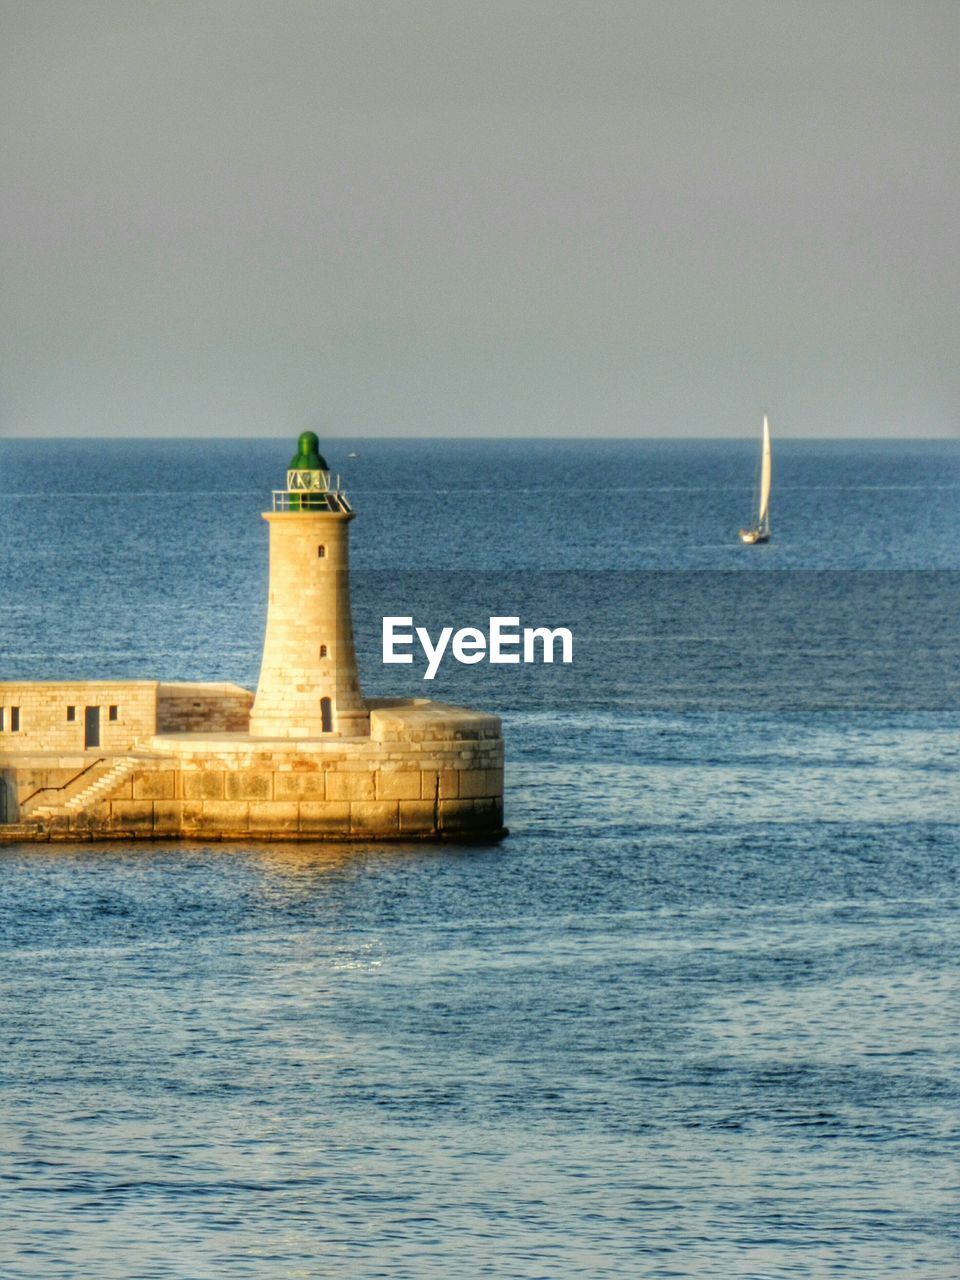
(751, 536)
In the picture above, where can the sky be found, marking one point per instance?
(483, 218)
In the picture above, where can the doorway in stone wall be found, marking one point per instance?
(91, 727)
(3, 800)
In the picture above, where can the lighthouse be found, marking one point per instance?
(309, 686)
(305, 758)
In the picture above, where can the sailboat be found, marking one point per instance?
(761, 530)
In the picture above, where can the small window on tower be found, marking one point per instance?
(321, 552)
(112, 713)
(71, 713)
(323, 651)
(14, 719)
(326, 716)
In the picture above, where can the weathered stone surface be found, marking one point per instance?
(159, 785)
(205, 784)
(227, 817)
(166, 817)
(448, 780)
(470, 815)
(299, 786)
(274, 818)
(417, 816)
(324, 817)
(248, 786)
(132, 815)
(398, 785)
(473, 783)
(202, 708)
(379, 817)
(191, 814)
(416, 720)
(351, 786)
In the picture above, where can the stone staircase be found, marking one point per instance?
(98, 786)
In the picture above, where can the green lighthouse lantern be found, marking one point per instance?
(308, 481)
(308, 475)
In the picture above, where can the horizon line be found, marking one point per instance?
(457, 439)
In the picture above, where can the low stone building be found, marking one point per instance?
(307, 757)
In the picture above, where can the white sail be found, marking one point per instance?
(764, 475)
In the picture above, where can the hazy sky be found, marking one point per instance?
(519, 217)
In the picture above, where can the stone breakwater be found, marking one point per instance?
(307, 757)
(427, 770)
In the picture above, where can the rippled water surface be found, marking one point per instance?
(696, 1017)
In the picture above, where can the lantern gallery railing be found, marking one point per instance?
(311, 500)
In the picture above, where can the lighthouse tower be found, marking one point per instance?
(309, 687)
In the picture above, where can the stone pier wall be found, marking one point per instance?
(427, 771)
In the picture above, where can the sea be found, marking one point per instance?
(696, 1016)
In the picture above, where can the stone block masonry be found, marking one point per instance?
(426, 771)
(63, 716)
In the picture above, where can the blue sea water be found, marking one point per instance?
(696, 1016)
